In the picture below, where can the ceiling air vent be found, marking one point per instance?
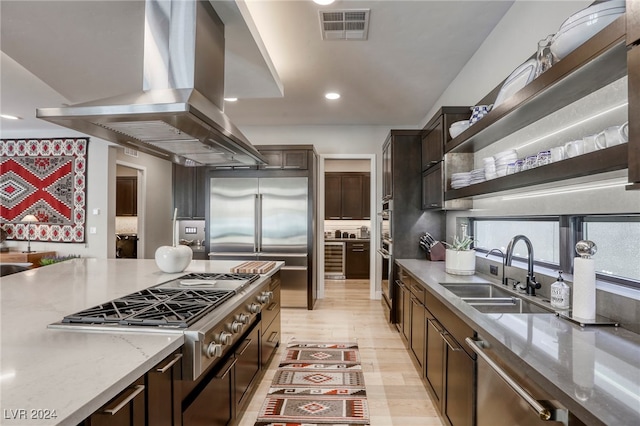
(351, 24)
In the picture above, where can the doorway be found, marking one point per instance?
(346, 205)
(129, 211)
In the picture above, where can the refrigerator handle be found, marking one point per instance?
(256, 223)
(258, 245)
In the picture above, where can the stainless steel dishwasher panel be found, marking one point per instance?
(294, 276)
(505, 398)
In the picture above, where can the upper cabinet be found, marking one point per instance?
(347, 196)
(435, 137)
(633, 66)
(284, 158)
(189, 191)
(595, 64)
(126, 196)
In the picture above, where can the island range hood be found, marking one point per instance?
(178, 113)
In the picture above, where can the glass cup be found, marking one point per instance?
(519, 165)
(543, 158)
(511, 168)
(557, 153)
(530, 162)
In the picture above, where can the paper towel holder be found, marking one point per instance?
(586, 248)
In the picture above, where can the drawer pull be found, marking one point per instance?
(170, 364)
(272, 306)
(453, 345)
(246, 346)
(230, 364)
(135, 391)
(273, 337)
(435, 324)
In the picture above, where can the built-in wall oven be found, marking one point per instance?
(385, 252)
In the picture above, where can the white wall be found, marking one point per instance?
(101, 175)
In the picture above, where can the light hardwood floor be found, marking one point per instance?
(395, 393)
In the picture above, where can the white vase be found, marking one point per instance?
(172, 259)
(460, 262)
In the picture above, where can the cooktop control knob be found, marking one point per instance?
(265, 297)
(224, 338)
(236, 327)
(243, 318)
(254, 308)
(214, 350)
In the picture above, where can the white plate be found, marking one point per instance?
(189, 283)
(519, 78)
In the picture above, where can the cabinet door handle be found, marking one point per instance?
(170, 364)
(436, 325)
(543, 413)
(272, 306)
(246, 346)
(347, 217)
(334, 217)
(453, 345)
(230, 364)
(273, 337)
(135, 391)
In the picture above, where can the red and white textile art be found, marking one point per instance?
(45, 178)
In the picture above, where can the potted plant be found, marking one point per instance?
(460, 258)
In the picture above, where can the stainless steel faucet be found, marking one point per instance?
(532, 284)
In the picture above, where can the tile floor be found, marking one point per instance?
(395, 393)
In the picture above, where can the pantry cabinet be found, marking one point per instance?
(347, 196)
(126, 196)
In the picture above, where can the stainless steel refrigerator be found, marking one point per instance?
(264, 219)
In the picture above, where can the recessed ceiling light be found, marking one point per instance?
(332, 96)
(323, 2)
(230, 99)
(10, 117)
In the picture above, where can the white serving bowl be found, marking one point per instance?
(458, 127)
(573, 34)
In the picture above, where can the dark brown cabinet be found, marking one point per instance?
(357, 260)
(164, 394)
(247, 367)
(347, 196)
(284, 159)
(387, 169)
(417, 330)
(271, 322)
(435, 137)
(449, 366)
(189, 191)
(432, 188)
(126, 409)
(214, 404)
(126, 196)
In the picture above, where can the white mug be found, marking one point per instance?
(589, 143)
(574, 148)
(557, 153)
(614, 135)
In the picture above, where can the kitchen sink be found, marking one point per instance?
(505, 305)
(484, 290)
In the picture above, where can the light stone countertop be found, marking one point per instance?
(593, 371)
(76, 372)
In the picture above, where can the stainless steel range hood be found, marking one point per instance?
(178, 113)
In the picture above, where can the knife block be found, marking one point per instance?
(437, 252)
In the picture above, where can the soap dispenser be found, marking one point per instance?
(560, 293)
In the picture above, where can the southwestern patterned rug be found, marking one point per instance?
(317, 384)
(45, 178)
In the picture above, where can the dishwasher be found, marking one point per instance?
(507, 398)
(334, 260)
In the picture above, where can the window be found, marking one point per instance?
(618, 242)
(544, 233)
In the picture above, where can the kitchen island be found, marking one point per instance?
(70, 374)
(593, 371)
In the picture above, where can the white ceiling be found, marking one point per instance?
(56, 52)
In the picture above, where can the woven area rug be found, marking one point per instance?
(317, 383)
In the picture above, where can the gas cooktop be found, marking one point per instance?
(174, 304)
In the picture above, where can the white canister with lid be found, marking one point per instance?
(560, 293)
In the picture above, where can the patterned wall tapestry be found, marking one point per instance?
(45, 178)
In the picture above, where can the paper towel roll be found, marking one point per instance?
(584, 288)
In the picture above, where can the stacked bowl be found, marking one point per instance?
(503, 159)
